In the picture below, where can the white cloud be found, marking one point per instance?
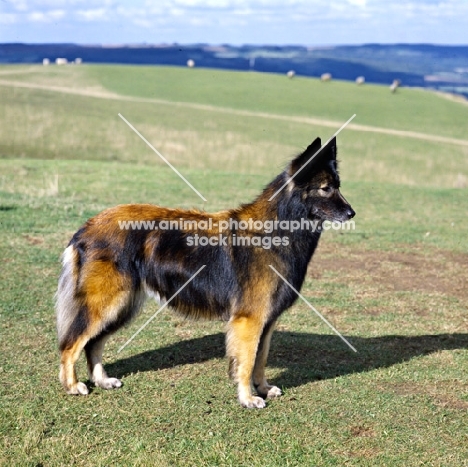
(205, 3)
(18, 5)
(359, 3)
(46, 17)
(254, 21)
(94, 14)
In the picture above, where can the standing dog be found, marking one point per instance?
(111, 264)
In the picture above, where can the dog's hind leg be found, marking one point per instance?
(242, 340)
(94, 349)
(88, 309)
(96, 325)
(124, 310)
(260, 383)
(68, 359)
(81, 335)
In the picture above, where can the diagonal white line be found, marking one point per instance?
(313, 309)
(160, 309)
(162, 157)
(297, 171)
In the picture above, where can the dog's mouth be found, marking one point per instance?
(342, 216)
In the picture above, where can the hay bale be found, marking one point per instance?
(395, 85)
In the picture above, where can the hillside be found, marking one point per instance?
(396, 138)
(433, 66)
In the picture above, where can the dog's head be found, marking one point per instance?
(316, 178)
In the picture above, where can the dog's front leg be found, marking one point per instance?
(242, 340)
(260, 382)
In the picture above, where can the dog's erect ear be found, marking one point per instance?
(301, 160)
(305, 167)
(330, 150)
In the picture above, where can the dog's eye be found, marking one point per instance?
(326, 189)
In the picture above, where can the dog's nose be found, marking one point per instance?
(351, 213)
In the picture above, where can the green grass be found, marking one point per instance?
(335, 100)
(59, 126)
(395, 287)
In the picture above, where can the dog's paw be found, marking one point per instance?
(274, 391)
(269, 391)
(78, 389)
(253, 402)
(109, 383)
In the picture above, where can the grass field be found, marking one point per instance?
(396, 287)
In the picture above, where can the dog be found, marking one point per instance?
(201, 266)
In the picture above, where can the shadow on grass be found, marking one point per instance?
(305, 357)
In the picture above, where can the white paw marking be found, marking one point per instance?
(253, 402)
(109, 383)
(78, 389)
(273, 392)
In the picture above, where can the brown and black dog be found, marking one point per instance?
(126, 253)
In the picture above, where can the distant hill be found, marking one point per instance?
(440, 67)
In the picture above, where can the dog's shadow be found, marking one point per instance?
(303, 357)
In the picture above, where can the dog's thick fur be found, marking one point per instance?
(109, 271)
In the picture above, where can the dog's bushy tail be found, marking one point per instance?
(66, 303)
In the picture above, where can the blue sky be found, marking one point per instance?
(234, 21)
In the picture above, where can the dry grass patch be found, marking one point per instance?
(407, 269)
(445, 394)
(228, 150)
